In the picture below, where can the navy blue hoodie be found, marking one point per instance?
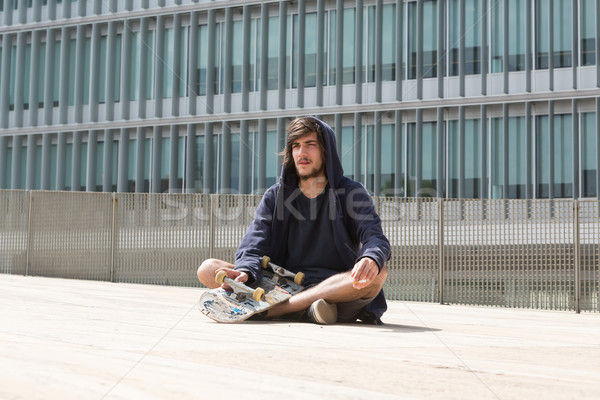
(356, 229)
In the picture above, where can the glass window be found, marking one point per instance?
(472, 155)
(199, 184)
(288, 53)
(83, 166)
(23, 177)
(131, 164)
(517, 158)
(100, 148)
(453, 157)
(68, 165)
(87, 47)
(388, 140)
(411, 149)
(254, 53)
(296, 48)
(41, 74)
(13, 66)
(53, 159)
(310, 51)
(273, 54)
(37, 184)
(347, 151)
(348, 52)
(389, 43)
(563, 156)
(562, 29)
(516, 34)
(134, 66)
(27, 76)
(588, 32)
(272, 167)
(202, 60)
(102, 70)
(429, 160)
(147, 163)
(117, 69)
(589, 155)
(369, 43)
(563, 33)
(430, 43)
(497, 37)
(235, 162)
(167, 59)
(368, 161)
(71, 71)
(472, 37)
(8, 168)
(237, 59)
(181, 77)
(149, 65)
(332, 46)
(497, 158)
(218, 60)
(453, 38)
(542, 157)
(165, 163)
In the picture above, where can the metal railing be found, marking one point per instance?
(542, 254)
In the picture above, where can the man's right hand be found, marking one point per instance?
(234, 274)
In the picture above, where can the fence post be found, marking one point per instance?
(576, 251)
(211, 235)
(441, 249)
(28, 251)
(115, 213)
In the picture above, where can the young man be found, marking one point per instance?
(318, 222)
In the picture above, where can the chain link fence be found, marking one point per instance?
(542, 254)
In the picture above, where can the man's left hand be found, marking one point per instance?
(364, 272)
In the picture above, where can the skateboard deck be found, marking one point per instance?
(276, 286)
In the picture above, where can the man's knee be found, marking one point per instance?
(206, 271)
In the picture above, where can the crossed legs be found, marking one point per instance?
(336, 289)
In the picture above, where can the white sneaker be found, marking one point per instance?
(322, 312)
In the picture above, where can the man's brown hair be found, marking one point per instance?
(296, 129)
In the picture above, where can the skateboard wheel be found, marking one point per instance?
(258, 294)
(220, 277)
(299, 278)
(265, 261)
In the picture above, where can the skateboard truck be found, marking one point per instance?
(282, 272)
(239, 288)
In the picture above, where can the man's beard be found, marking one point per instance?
(313, 174)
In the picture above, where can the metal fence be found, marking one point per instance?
(542, 254)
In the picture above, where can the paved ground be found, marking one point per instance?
(68, 339)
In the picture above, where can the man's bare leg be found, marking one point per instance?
(207, 270)
(336, 289)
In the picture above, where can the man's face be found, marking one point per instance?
(307, 157)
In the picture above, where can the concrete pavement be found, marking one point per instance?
(69, 339)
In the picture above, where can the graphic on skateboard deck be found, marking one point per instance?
(277, 285)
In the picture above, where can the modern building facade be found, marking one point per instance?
(446, 98)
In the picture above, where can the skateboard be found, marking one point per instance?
(277, 285)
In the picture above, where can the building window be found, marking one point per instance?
(202, 61)
(588, 32)
(347, 151)
(388, 145)
(388, 61)
(429, 160)
(310, 51)
(589, 155)
(561, 21)
(516, 158)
